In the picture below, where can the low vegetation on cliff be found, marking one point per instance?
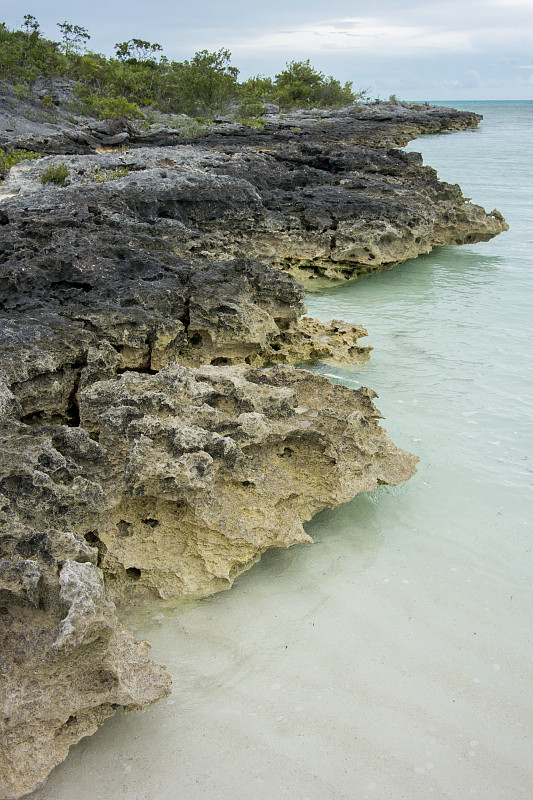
(12, 156)
(139, 76)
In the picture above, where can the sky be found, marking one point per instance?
(418, 50)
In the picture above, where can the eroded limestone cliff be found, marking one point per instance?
(154, 437)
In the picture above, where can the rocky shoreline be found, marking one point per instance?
(155, 438)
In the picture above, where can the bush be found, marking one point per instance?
(107, 107)
(207, 82)
(57, 174)
(190, 128)
(300, 85)
(249, 109)
(10, 157)
(185, 126)
(252, 122)
(103, 176)
(257, 89)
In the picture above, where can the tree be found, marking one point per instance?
(137, 50)
(202, 84)
(31, 25)
(73, 37)
(300, 84)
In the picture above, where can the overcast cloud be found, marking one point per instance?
(453, 49)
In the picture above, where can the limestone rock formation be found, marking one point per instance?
(153, 436)
(312, 209)
(66, 663)
(209, 467)
(61, 129)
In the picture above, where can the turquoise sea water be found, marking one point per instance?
(393, 658)
(452, 331)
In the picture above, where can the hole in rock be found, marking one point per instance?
(73, 405)
(124, 528)
(91, 537)
(220, 361)
(223, 403)
(195, 340)
(133, 573)
(152, 278)
(287, 453)
(283, 324)
(141, 370)
(85, 287)
(33, 417)
(152, 523)
(104, 679)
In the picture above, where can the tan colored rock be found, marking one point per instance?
(66, 665)
(209, 467)
(330, 342)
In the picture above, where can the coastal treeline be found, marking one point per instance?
(139, 76)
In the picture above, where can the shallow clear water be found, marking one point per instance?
(393, 658)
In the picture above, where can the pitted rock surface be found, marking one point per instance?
(66, 663)
(153, 438)
(209, 467)
(315, 210)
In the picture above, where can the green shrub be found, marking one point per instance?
(22, 91)
(190, 128)
(251, 109)
(252, 122)
(199, 86)
(258, 89)
(187, 127)
(107, 107)
(300, 85)
(10, 157)
(102, 176)
(57, 174)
